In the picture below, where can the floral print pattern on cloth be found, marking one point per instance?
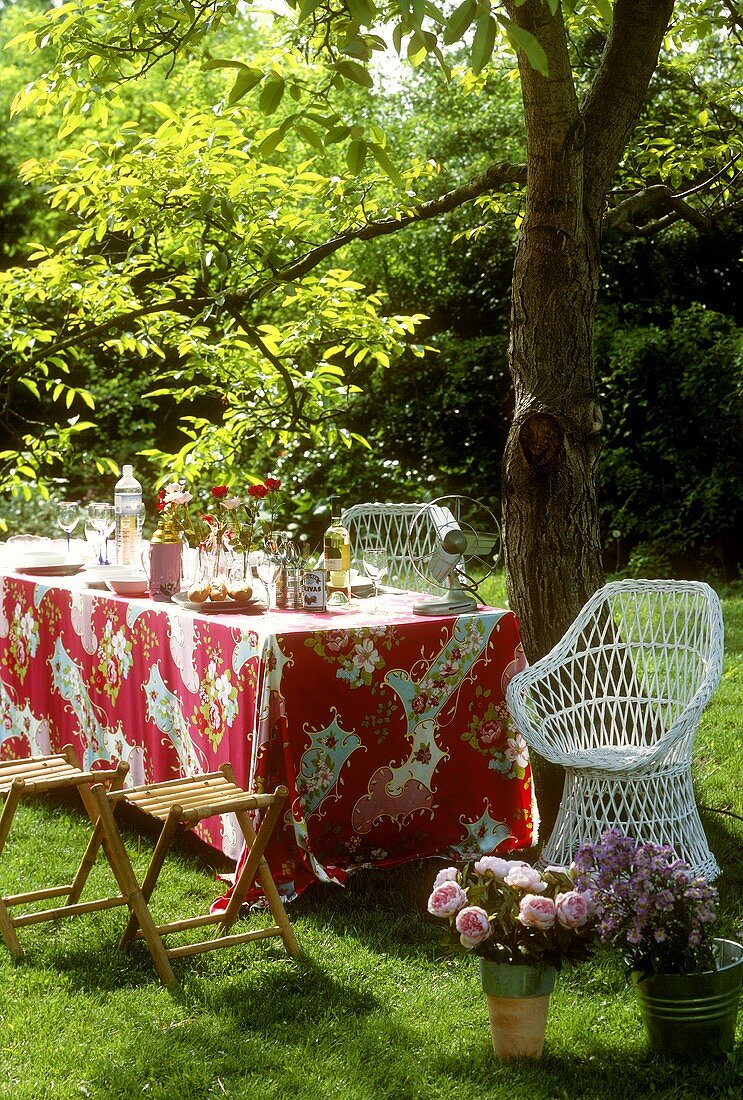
(23, 638)
(391, 736)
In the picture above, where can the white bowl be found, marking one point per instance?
(129, 584)
(42, 557)
(103, 572)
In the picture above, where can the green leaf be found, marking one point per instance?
(272, 94)
(385, 163)
(338, 133)
(31, 385)
(417, 48)
(356, 46)
(355, 72)
(164, 109)
(244, 81)
(223, 63)
(521, 39)
(310, 137)
(459, 21)
(483, 42)
(356, 155)
(606, 10)
(362, 12)
(272, 140)
(307, 7)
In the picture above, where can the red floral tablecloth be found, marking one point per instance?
(390, 732)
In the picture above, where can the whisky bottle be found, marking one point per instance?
(337, 545)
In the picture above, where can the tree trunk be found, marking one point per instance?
(550, 512)
(551, 529)
(552, 542)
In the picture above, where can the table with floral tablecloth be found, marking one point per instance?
(390, 731)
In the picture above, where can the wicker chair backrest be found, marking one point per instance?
(389, 525)
(636, 667)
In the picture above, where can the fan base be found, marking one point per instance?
(456, 605)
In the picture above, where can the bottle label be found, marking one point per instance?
(313, 589)
(128, 504)
(337, 556)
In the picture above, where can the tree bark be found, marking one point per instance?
(552, 541)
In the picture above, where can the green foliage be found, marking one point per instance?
(173, 253)
(673, 468)
(206, 169)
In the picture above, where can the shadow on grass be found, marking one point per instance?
(309, 1033)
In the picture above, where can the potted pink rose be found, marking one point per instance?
(523, 924)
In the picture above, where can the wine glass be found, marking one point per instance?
(374, 560)
(268, 567)
(94, 537)
(68, 516)
(103, 519)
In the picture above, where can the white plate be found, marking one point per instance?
(215, 607)
(65, 569)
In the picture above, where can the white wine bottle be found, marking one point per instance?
(337, 545)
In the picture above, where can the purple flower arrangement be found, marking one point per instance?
(648, 905)
(506, 911)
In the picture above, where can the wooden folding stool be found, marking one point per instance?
(38, 775)
(185, 802)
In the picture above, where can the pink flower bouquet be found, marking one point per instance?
(506, 911)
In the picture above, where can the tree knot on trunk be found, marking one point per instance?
(540, 438)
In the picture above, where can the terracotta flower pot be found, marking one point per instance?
(693, 1015)
(518, 1001)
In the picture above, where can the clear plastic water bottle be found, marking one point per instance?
(129, 511)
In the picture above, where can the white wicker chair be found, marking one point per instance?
(390, 525)
(617, 703)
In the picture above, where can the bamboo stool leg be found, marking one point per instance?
(120, 863)
(12, 798)
(89, 856)
(256, 864)
(162, 847)
(7, 930)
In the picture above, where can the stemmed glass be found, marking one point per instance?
(102, 518)
(68, 516)
(268, 567)
(375, 566)
(93, 535)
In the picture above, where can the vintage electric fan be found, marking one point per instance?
(454, 543)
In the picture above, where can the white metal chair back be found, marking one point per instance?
(389, 525)
(621, 694)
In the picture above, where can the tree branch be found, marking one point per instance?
(654, 209)
(276, 363)
(618, 92)
(496, 176)
(81, 336)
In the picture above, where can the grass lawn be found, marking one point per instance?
(368, 1013)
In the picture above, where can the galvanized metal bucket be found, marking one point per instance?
(693, 1015)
